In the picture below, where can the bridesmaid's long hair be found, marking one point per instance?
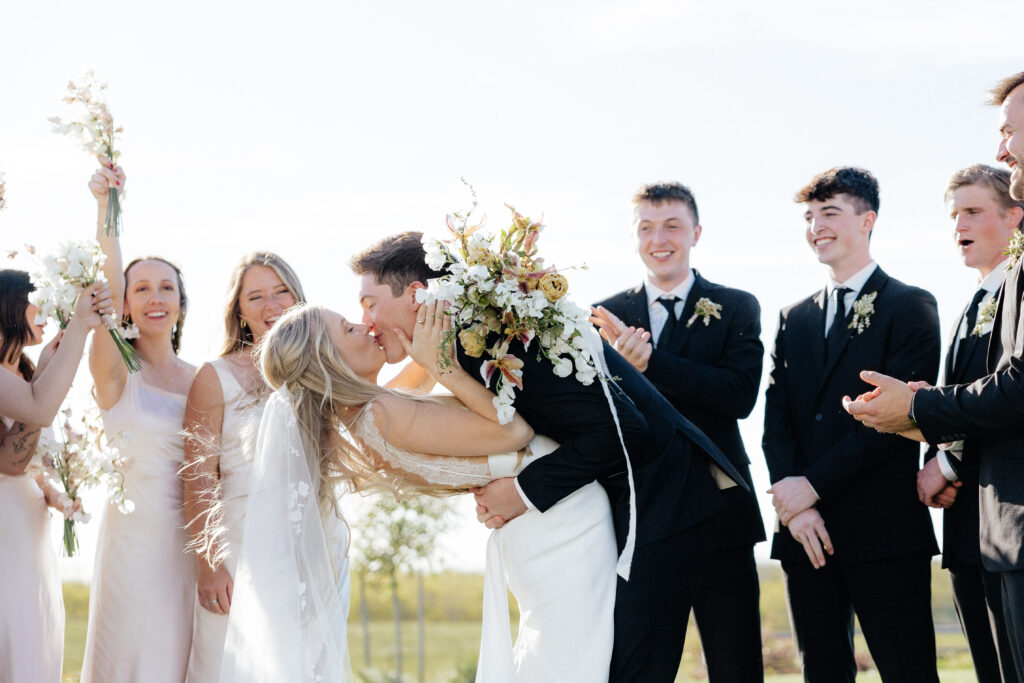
(15, 332)
(237, 337)
(298, 353)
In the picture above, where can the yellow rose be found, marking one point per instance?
(554, 286)
(479, 257)
(473, 340)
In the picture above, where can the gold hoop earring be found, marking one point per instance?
(242, 323)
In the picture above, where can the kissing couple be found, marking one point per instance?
(581, 472)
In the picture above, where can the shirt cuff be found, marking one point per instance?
(812, 488)
(529, 505)
(947, 470)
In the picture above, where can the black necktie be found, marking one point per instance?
(970, 320)
(838, 328)
(669, 302)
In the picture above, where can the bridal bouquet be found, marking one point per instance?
(59, 280)
(499, 291)
(95, 130)
(82, 457)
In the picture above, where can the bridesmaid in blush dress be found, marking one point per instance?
(140, 607)
(222, 418)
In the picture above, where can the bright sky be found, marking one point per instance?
(313, 129)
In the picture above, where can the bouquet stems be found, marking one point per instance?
(127, 351)
(112, 224)
(70, 538)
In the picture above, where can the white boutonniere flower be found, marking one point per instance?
(707, 309)
(1014, 248)
(986, 314)
(863, 308)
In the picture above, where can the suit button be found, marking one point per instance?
(817, 418)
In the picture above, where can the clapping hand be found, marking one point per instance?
(634, 343)
(886, 408)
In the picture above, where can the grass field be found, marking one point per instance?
(453, 632)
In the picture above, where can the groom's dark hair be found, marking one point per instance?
(396, 261)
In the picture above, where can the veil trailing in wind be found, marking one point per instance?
(290, 602)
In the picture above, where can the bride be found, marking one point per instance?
(329, 427)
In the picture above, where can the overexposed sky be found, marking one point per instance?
(313, 129)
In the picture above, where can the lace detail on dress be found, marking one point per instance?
(434, 469)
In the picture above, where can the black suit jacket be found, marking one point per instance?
(960, 522)
(867, 481)
(990, 411)
(711, 375)
(674, 487)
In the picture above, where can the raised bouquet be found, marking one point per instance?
(96, 131)
(60, 279)
(501, 290)
(79, 458)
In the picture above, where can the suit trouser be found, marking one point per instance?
(1013, 610)
(892, 600)
(977, 594)
(652, 608)
(728, 615)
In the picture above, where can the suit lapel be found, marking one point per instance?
(967, 347)
(949, 369)
(875, 283)
(635, 309)
(681, 334)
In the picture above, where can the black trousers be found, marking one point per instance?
(1013, 611)
(892, 600)
(653, 607)
(728, 615)
(977, 594)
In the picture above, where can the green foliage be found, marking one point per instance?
(400, 535)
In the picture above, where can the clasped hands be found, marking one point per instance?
(794, 499)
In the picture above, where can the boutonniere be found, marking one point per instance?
(1014, 248)
(706, 309)
(863, 308)
(986, 314)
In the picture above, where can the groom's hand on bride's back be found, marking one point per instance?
(498, 502)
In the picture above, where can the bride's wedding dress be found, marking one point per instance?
(291, 594)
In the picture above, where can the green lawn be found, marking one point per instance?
(453, 633)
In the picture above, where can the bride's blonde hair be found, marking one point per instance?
(297, 352)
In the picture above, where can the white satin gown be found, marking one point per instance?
(143, 586)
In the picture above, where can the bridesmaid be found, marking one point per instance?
(140, 607)
(31, 604)
(222, 417)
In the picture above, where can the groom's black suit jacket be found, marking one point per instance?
(960, 522)
(674, 487)
(990, 412)
(711, 375)
(867, 481)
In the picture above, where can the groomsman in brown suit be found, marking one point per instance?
(699, 343)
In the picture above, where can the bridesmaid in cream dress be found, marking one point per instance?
(221, 418)
(140, 606)
(31, 605)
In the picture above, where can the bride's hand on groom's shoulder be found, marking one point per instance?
(432, 323)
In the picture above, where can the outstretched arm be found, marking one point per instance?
(108, 369)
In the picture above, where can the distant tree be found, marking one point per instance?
(401, 536)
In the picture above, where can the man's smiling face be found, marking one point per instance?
(665, 233)
(1011, 144)
(836, 232)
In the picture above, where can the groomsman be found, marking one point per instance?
(709, 367)
(986, 217)
(987, 411)
(857, 540)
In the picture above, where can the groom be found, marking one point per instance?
(676, 468)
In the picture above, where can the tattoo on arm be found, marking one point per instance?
(22, 441)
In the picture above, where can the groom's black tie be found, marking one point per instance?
(669, 302)
(838, 328)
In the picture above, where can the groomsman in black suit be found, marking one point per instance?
(709, 367)
(857, 540)
(988, 411)
(986, 217)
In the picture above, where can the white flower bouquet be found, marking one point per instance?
(96, 131)
(82, 458)
(60, 279)
(500, 292)
(3, 202)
